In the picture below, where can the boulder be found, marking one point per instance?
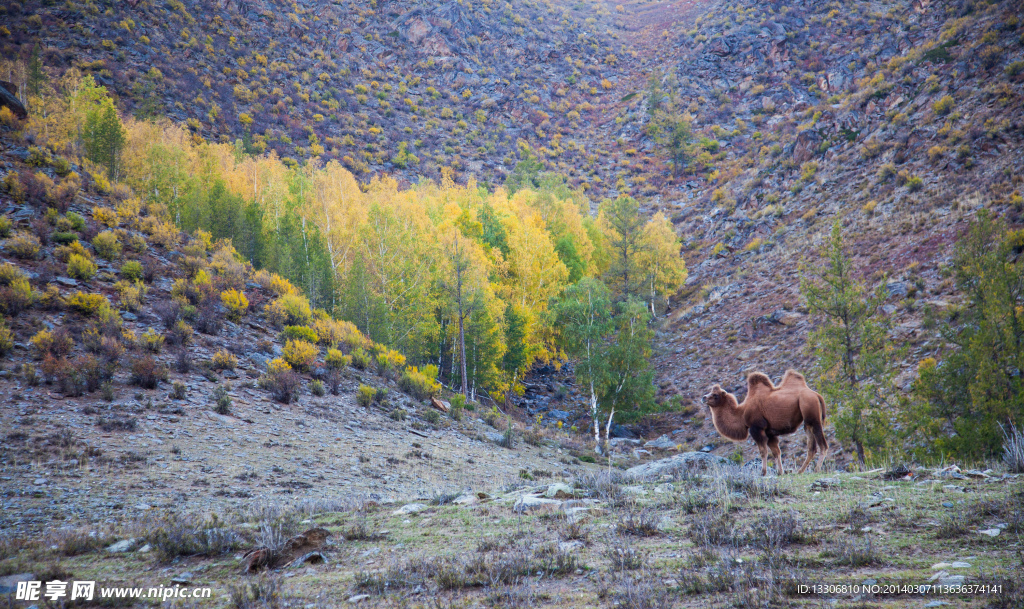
(662, 443)
(683, 461)
(560, 491)
(125, 545)
(412, 508)
(8, 98)
(533, 503)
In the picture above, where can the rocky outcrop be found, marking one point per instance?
(9, 99)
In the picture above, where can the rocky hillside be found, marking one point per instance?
(144, 369)
(403, 87)
(900, 119)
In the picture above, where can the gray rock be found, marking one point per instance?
(412, 508)
(952, 580)
(990, 532)
(182, 580)
(675, 463)
(125, 545)
(531, 503)
(560, 491)
(662, 443)
(9, 583)
(358, 598)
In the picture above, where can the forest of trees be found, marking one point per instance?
(460, 276)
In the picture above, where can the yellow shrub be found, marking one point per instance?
(105, 217)
(300, 354)
(80, 267)
(15, 294)
(23, 244)
(289, 309)
(278, 365)
(420, 385)
(223, 360)
(235, 302)
(57, 344)
(337, 359)
(87, 304)
(943, 106)
(152, 341)
(130, 294)
(6, 336)
(64, 252)
(107, 245)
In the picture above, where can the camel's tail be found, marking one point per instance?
(821, 403)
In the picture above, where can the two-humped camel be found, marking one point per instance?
(769, 412)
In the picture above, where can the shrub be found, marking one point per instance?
(107, 245)
(64, 252)
(15, 294)
(300, 354)
(236, 303)
(316, 387)
(223, 360)
(222, 400)
(282, 382)
(180, 333)
(915, 184)
(300, 333)
(457, 407)
(24, 245)
(6, 338)
(76, 221)
(147, 373)
(81, 268)
(105, 216)
(152, 341)
(5, 226)
(432, 416)
(361, 359)
(87, 304)
(944, 106)
(366, 395)
(289, 309)
(336, 359)
(178, 391)
(56, 344)
(421, 385)
(130, 294)
(132, 270)
(390, 362)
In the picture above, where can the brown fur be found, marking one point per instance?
(771, 411)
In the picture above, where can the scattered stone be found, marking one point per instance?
(532, 503)
(990, 532)
(936, 604)
(560, 491)
(825, 484)
(182, 580)
(662, 443)
(125, 545)
(687, 460)
(569, 546)
(358, 598)
(412, 508)
(947, 504)
(951, 580)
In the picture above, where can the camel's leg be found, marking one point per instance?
(757, 434)
(819, 437)
(773, 444)
(810, 449)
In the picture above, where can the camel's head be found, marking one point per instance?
(716, 398)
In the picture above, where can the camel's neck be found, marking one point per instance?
(729, 422)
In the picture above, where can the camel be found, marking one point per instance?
(769, 412)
